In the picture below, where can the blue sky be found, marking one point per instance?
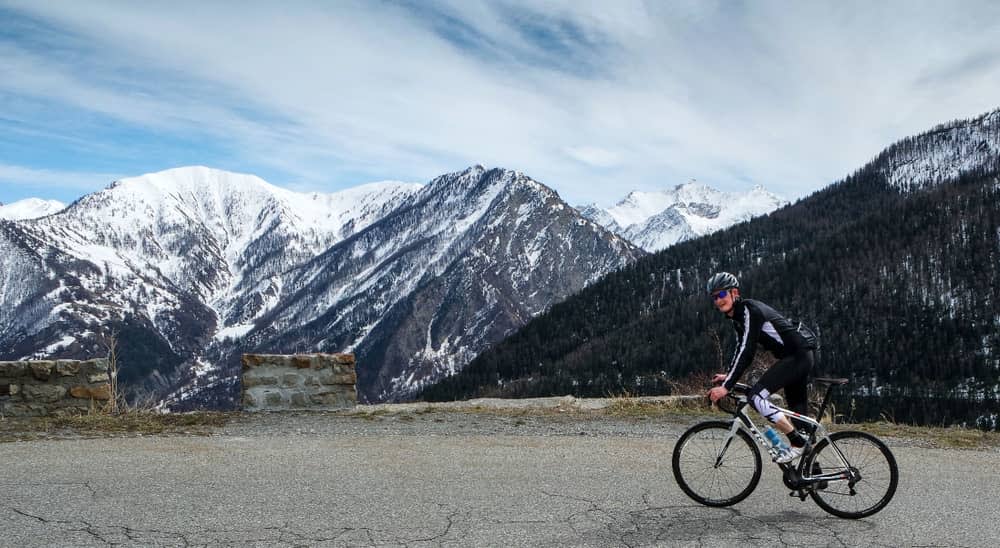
(591, 98)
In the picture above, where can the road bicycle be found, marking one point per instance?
(849, 474)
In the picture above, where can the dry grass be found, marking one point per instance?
(101, 425)
(626, 405)
(952, 437)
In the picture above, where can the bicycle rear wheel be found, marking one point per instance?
(715, 468)
(869, 460)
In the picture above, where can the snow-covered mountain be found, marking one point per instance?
(30, 208)
(193, 266)
(168, 260)
(943, 153)
(656, 220)
(471, 257)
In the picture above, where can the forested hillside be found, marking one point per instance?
(901, 281)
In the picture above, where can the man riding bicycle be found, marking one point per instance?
(756, 322)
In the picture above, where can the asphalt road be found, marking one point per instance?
(449, 480)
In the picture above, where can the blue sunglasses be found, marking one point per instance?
(720, 295)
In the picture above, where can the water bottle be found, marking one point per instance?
(773, 437)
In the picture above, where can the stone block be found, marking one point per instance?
(41, 370)
(15, 390)
(343, 359)
(101, 392)
(251, 361)
(67, 368)
(249, 401)
(300, 361)
(337, 367)
(273, 399)
(334, 378)
(13, 369)
(337, 399)
(299, 399)
(250, 381)
(261, 380)
(43, 393)
(98, 377)
(289, 380)
(95, 366)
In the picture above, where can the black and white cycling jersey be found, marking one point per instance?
(757, 323)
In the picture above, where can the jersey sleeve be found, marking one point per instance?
(746, 346)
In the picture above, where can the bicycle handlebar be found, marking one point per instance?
(740, 389)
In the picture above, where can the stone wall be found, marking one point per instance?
(37, 388)
(301, 381)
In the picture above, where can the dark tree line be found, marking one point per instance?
(901, 285)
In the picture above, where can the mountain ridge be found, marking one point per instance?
(899, 280)
(658, 219)
(188, 267)
(338, 304)
(30, 208)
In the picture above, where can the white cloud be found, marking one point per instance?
(594, 156)
(594, 99)
(41, 179)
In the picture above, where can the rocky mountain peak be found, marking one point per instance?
(657, 219)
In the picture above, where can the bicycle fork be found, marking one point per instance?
(725, 446)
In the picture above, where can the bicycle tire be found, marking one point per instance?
(694, 466)
(871, 458)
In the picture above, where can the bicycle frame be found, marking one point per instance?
(742, 421)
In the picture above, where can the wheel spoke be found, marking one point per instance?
(876, 466)
(695, 458)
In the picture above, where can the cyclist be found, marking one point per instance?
(757, 323)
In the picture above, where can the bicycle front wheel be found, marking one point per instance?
(868, 461)
(714, 467)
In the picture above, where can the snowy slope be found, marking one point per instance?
(460, 264)
(182, 255)
(943, 153)
(29, 208)
(192, 266)
(655, 220)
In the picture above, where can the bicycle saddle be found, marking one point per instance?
(826, 380)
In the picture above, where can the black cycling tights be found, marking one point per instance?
(790, 373)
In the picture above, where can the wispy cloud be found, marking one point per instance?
(593, 98)
(40, 179)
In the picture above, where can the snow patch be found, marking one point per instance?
(233, 332)
(30, 208)
(65, 341)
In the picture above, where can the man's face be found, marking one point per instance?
(724, 299)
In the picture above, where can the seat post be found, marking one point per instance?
(826, 401)
(830, 383)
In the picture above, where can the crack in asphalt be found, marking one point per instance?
(454, 513)
(587, 519)
(90, 488)
(691, 523)
(117, 535)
